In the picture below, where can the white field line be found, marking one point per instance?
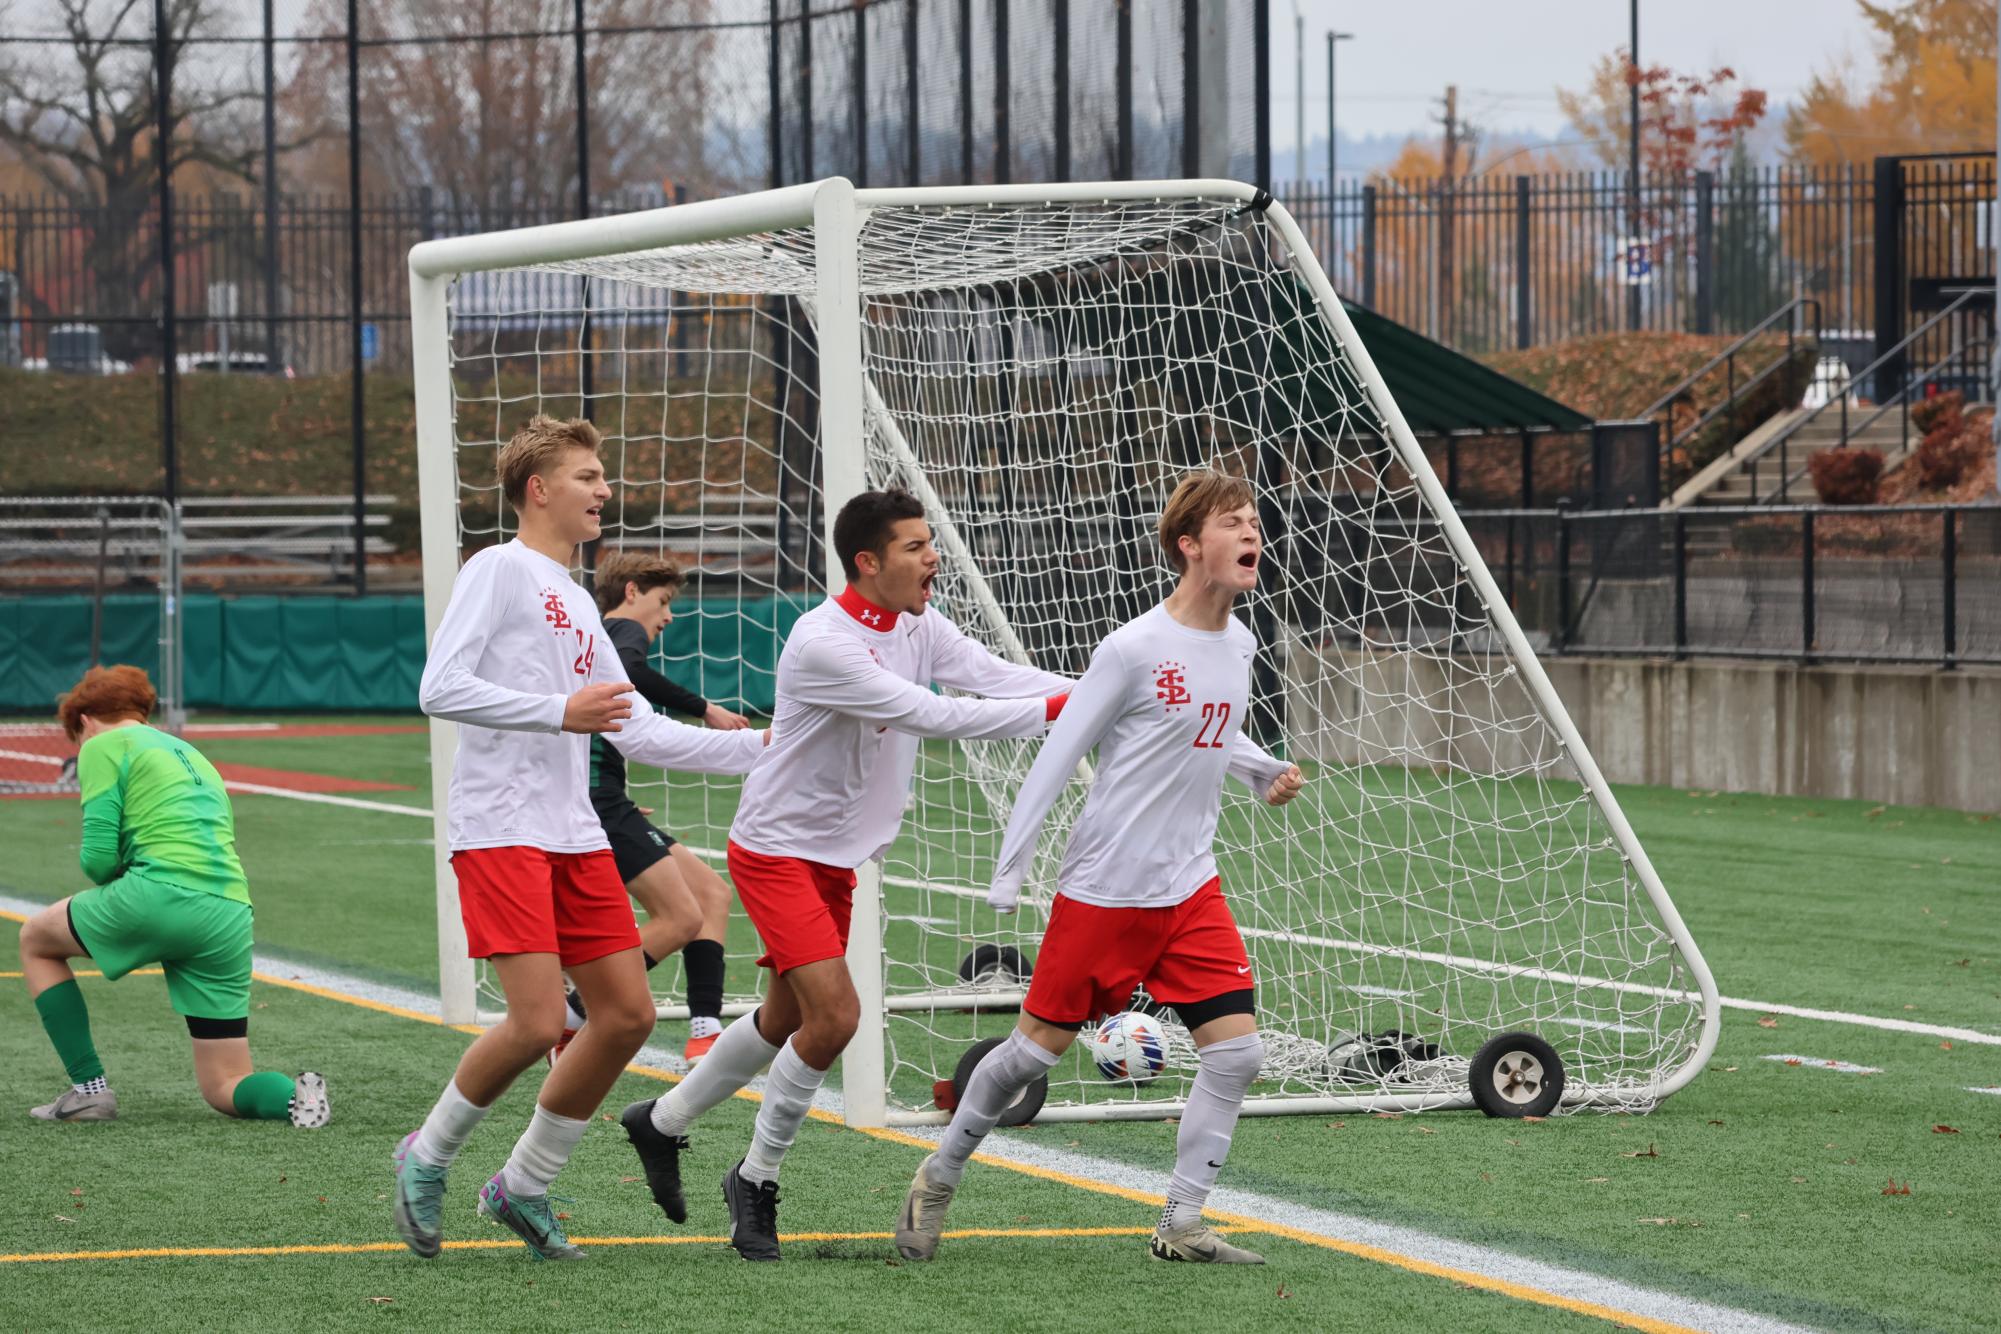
(1822, 1063)
(1576, 1285)
(1993, 1090)
(31, 757)
(1948, 1032)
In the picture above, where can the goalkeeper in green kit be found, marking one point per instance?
(159, 841)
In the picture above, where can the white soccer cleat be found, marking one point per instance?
(1199, 1243)
(311, 1108)
(923, 1219)
(74, 1106)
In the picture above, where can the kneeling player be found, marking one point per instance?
(1139, 898)
(159, 840)
(687, 904)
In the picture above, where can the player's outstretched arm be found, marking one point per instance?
(964, 663)
(1272, 780)
(452, 689)
(660, 690)
(1100, 697)
(841, 676)
(666, 743)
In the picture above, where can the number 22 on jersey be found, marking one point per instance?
(1215, 721)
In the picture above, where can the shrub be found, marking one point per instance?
(1938, 411)
(1948, 450)
(1846, 476)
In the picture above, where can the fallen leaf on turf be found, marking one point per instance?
(562, 1218)
(1596, 1181)
(64, 1218)
(77, 1191)
(323, 1199)
(1894, 1189)
(1715, 1123)
(1962, 963)
(1872, 814)
(1389, 1116)
(1424, 1130)
(1337, 1125)
(1649, 1152)
(382, 1301)
(626, 1180)
(1945, 1046)
(1657, 1222)
(1729, 1069)
(1535, 1118)
(1794, 1060)
(281, 1180)
(1284, 1292)
(1769, 1021)
(1945, 1130)
(1799, 1181)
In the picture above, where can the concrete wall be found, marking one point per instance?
(1910, 736)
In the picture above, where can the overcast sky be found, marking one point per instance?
(1509, 56)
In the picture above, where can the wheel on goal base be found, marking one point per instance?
(1516, 1074)
(988, 964)
(1019, 1112)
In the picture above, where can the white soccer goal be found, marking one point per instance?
(1039, 364)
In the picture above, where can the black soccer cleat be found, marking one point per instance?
(753, 1215)
(660, 1155)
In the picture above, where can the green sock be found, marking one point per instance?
(67, 1021)
(264, 1096)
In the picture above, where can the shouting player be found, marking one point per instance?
(521, 663)
(1139, 900)
(854, 698)
(687, 904)
(159, 841)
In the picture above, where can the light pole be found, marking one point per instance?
(1298, 93)
(1633, 155)
(1332, 37)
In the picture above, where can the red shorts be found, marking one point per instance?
(526, 901)
(800, 908)
(1092, 958)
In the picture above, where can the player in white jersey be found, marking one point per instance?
(522, 663)
(854, 699)
(1138, 897)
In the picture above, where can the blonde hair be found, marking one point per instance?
(1198, 495)
(536, 448)
(616, 569)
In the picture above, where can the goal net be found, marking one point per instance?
(1040, 365)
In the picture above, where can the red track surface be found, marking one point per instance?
(52, 743)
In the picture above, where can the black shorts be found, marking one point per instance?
(635, 844)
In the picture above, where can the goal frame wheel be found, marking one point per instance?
(1514, 1075)
(1026, 1104)
(987, 963)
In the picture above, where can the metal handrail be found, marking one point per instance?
(1729, 353)
(1780, 440)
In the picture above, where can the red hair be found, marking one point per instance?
(108, 694)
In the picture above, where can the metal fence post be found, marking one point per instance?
(1705, 252)
(357, 401)
(1061, 129)
(913, 99)
(1524, 288)
(1528, 470)
(163, 97)
(1122, 91)
(1680, 584)
(858, 107)
(775, 125)
(807, 172)
(1562, 638)
(965, 92)
(1949, 559)
(1369, 246)
(1003, 80)
(1806, 587)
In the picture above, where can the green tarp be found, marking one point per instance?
(308, 654)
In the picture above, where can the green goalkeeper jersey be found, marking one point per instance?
(154, 805)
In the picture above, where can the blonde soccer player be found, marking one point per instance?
(1139, 897)
(854, 698)
(521, 662)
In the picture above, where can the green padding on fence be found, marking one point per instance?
(300, 654)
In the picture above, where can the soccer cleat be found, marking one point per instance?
(1198, 1242)
(753, 1215)
(923, 1218)
(697, 1048)
(528, 1217)
(74, 1106)
(660, 1155)
(562, 1044)
(420, 1198)
(311, 1108)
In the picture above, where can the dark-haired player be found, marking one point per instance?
(854, 699)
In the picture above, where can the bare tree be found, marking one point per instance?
(80, 115)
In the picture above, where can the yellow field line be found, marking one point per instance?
(91, 972)
(1375, 1254)
(499, 1243)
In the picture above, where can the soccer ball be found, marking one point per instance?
(1130, 1047)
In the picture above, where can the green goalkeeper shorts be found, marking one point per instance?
(201, 941)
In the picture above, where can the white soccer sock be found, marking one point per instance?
(447, 1128)
(703, 1026)
(997, 1080)
(788, 1096)
(571, 1018)
(733, 1062)
(541, 1152)
(1227, 1072)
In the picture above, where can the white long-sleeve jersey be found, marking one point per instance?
(853, 700)
(518, 638)
(1163, 705)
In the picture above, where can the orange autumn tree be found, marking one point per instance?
(1933, 89)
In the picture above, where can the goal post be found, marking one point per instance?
(1038, 364)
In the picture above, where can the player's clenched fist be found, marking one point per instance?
(598, 708)
(1286, 786)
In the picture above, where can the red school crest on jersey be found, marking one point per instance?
(1170, 687)
(554, 611)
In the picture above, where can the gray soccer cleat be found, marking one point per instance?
(1198, 1242)
(311, 1108)
(74, 1106)
(420, 1198)
(923, 1219)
